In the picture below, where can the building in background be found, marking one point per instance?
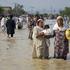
(7, 10)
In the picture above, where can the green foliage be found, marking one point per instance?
(45, 15)
(37, 14)
(66, 11)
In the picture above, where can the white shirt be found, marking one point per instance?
(47, 31)
(2, 21)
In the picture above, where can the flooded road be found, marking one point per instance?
(16, 54)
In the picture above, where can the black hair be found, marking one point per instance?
(11, 16)
(46, 27)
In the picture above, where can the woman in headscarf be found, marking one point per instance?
(40, 49)
(37, 39)
(61, 43)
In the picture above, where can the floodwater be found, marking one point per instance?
(16, 54)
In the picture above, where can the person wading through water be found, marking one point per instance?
(11, 25)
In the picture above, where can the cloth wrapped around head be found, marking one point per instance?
(59, 17)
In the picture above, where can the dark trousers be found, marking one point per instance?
(11, 35)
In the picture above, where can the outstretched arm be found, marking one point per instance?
(50, 36)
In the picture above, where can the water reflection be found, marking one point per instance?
(11, 42)
(16, 53)
(40, 64)
(52, 64)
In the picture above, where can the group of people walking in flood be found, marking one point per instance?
(9, 23)
(41, 35)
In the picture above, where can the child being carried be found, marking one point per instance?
(46, 30)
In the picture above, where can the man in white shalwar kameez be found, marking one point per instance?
(3, 26)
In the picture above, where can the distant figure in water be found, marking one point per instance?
(11, 25)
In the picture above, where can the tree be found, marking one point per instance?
(45, 15)
(37, 13)
(18, 10)
(66, 11)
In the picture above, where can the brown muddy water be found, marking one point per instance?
(16, 54)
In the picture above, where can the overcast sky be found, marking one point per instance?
(38, 4)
